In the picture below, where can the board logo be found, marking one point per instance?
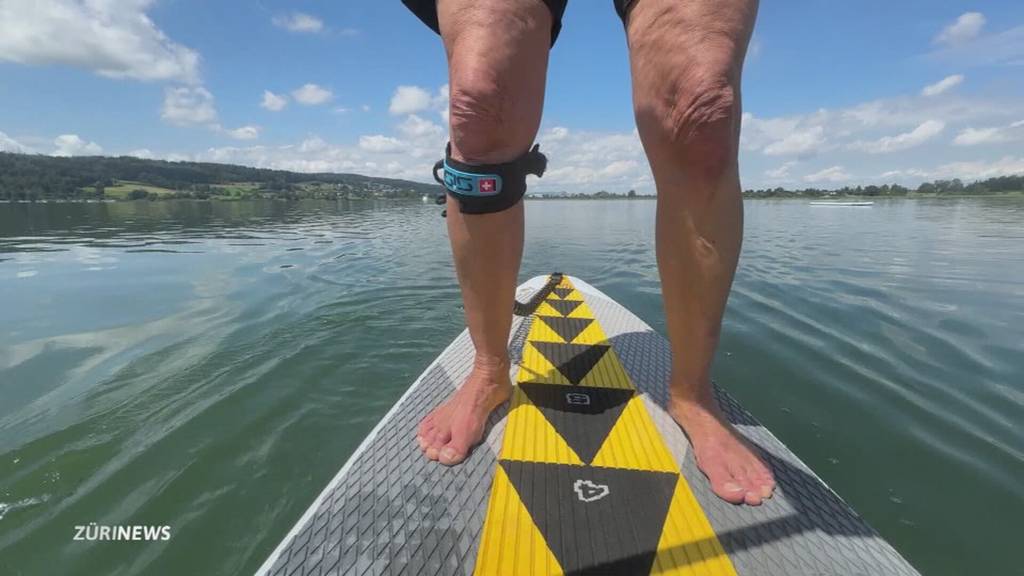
(577, 399)
(587, 491)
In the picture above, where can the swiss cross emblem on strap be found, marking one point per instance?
(488, 184)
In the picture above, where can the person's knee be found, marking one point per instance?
(482, 120)
(696, 115)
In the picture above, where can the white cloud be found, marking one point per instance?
(274, 102)
(906, 127)
(416, 127)
(580, 161)
(414, 99)
(299, 22)
(311, 94)
(1005, 48)
(555, 134)
(113, 38)
(967, 171)
(618, 168)
(341, 110)
(980, 169)
(831, 174)
(966, 28)
(381, 143)
(992, 135)
(8, 144)
(409, 100)
(73, 145)
(802, 135)
(942, 85)
(314, 144)
(797, 142)
(365, 107)
(189, 106)
(975, 136)
(781, 171)
(244, 133)
(141, 153)
(922, 133)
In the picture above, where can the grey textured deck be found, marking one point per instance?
(390, 511)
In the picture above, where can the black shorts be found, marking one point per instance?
(426, 10)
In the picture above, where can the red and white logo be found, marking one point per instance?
(488, 185)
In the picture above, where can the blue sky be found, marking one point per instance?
(834, 93)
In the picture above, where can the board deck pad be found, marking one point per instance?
(581, 472)
(603, 509)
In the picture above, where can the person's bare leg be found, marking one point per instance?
(497, 62)
(686, 58)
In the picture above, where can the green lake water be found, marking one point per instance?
(209, 366)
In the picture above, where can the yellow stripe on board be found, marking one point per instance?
(531, 438)
(534, 367)
(512, 542)
(688, 545)
(635, 443)
(581, 311)
(608, 373)
(545, 309)
(591, 335)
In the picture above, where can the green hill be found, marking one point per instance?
(37, 177)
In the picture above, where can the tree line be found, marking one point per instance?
(33, 176)
(38, 177)
(954, 187)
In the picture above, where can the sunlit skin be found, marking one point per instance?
(686, 59)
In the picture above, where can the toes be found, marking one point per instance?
(725, 485)
(729, 491)
(440, 438)
(767, 485)
(433, 441)
(426, 425)
(751, 498)
(451, 456)
(759, 484)
(762, 482)
(457, 449)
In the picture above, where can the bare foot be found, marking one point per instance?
(452, 429)
(733, 468)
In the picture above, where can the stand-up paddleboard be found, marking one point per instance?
(582, 472)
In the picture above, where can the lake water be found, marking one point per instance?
(209, 366)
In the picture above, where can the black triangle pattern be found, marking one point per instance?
(603, 521)
(562, 292)
(564, 307)
(567, 328)
(582, 415)
(574, 361)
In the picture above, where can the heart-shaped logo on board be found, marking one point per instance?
(587, 491)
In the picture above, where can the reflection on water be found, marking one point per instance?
(209, 366)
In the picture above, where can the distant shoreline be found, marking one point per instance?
(27, 178)
(838, 198)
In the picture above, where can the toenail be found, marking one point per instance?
(448, 454)
(732, 487)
